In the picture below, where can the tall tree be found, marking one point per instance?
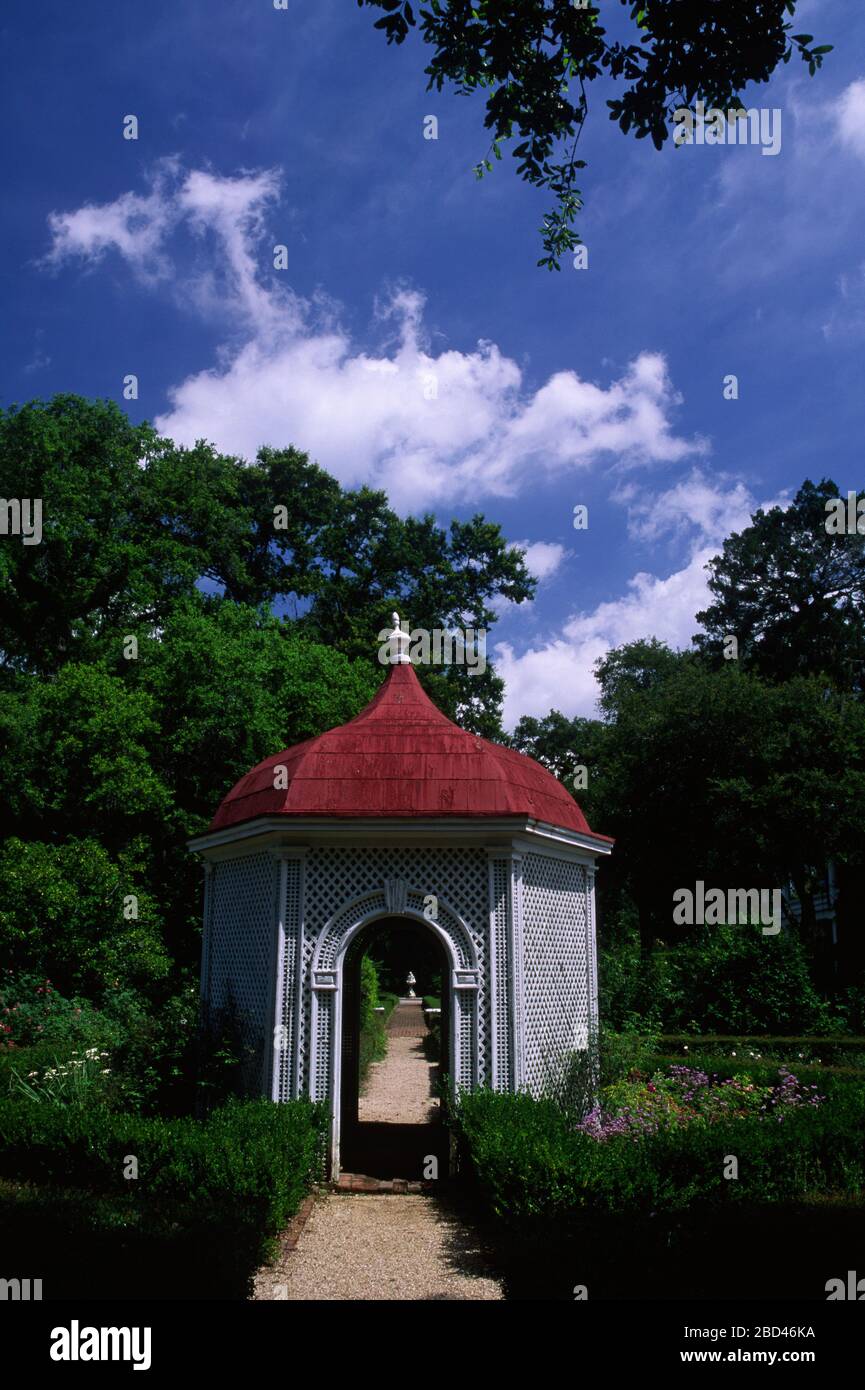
(536, 60)
(720, 776)
(792, 593)
(132, 525)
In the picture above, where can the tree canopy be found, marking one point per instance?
(792, 593)
(535, 60)
(144, 668)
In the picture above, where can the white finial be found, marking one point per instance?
(399, 642)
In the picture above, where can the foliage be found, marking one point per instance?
(133, 524)
(719, 979)
(372, 1043)
(533, 1168)
(251, 1160)
(622, 1053)
(683, 1095)
(33, 1010)
(535, 59)
(62, 915)
(74, 1082)
(719, 776)
(793, 594)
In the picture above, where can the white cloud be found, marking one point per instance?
(850, 117)
(542, 558)
(428, 428)
(559, 674)
(134, 225)
(694, 507)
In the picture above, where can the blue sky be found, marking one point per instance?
(411, 342)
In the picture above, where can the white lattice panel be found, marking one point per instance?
(500, 975)
(240, 959)
(457, 877)
(555, 966)
(289, 991)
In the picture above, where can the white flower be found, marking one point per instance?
(106, 1071)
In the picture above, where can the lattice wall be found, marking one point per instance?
(527, 930)
(240, 955)
(288, 985)
(335, 876)
(555, 966)
(500, 971)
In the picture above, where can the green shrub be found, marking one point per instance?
(372, 1044)
(155, 1052)
(62, 915)
(250, 1162)
(723, 979)
(535, 1171)
(388, 1002)
(33, 1010)
(836, 1049)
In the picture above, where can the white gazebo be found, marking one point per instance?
(400, 816)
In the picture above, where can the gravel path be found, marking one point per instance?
(381, 1249)
(399, 1246)
(399, 1089)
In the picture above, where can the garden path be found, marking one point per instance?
(381, 1248)
(399, 1089)
(393, 1245)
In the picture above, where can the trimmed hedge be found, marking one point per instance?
(534, 1171)
(833, 1049)
(249, 1162)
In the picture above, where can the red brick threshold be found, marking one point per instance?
(359, 1182)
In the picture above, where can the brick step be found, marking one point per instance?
(361, 1182)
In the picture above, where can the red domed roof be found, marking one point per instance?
(401, 757)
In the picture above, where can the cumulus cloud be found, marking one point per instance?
(558, 674)
(542, 558)
(135, 225)
(692, 507)
(430, 428)
(850, 117)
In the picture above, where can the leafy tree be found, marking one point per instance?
(792, 594)
(80, 758)
(536, 59)
(133, 525)
(561, 745)
(62, 914)
(628, 670)
(717, 775)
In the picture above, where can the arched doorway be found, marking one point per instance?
(396, 1130)
(398, 900)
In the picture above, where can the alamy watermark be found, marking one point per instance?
(738, 126)
(22, 516)
(718, 907)
(20, 1290)
(435, 647)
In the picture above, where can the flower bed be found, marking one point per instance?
(686, 1095)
